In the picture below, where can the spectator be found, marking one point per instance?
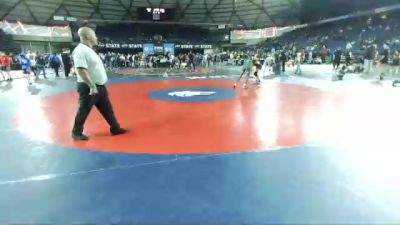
(26, 66)
(298, 63)
(337, 58)
(5, 65)
(368, 58)
(396, 63)
(348, 57)
(55, 63)
(384, 61)
(283, 59)
(67, 62)
(41, 65)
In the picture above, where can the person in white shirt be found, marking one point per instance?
(32, 57)
(92, 78)
(349, 46)
(172, 61)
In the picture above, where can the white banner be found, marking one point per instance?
(20, 29)
(243, 36)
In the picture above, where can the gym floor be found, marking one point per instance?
(293, 150)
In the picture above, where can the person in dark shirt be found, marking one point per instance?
(191, 61)
(385, 58)
(66, 59)
(130, 59)
(277, 66)
(348, 57)
(337, 58)
(208, 60)
(306, 56)
(384, 61)
(41, 65)
(283, 60)
(324, 53)
(369, 58)
(368, 53)
(257, 68)
(55, 63)
(107, 60)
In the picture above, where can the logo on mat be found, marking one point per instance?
(193, 94)
(183, 94)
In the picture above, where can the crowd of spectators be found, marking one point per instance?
(357, 45)
(115, 60)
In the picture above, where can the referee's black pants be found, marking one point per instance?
(67, 69)
(86, 102)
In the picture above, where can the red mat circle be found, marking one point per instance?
(260, 118)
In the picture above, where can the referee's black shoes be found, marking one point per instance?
(82, 137)
(119, 131)
(79, 137)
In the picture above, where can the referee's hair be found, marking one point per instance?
(84, 33)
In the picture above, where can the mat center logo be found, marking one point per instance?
(183, 94)
(194, 94)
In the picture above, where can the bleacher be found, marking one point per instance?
(7, 44)
(359, 31)
(140, 33)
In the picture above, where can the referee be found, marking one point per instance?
(92, 78)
